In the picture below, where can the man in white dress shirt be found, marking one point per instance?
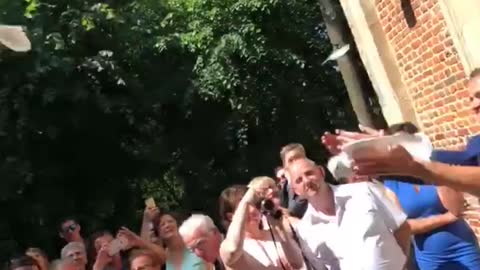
(348, 227)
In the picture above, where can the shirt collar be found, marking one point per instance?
(340, 199)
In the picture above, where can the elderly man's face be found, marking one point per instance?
(78, 256)
(205, 245)
(307, 179)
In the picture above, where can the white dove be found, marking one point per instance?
(14, 38)
(336, 54)
(418, 145)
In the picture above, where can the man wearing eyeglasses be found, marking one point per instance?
(202, 236)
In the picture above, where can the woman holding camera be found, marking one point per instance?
(247, 244)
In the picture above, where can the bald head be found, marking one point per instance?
(298, 162)
(307, 178)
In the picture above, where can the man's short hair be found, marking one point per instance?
(307, 160)
(196, 222)
(291, 147)
(72, 246)
(475, 73)
(136, 253)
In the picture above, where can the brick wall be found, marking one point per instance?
(431, 69)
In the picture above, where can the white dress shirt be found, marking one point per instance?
(359, 236)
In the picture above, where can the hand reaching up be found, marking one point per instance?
(103, 258)
(335, 142)
(133, 239)
(150, 213)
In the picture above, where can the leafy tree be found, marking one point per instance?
(121, 100)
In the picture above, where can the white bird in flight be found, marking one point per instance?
(14, 38)
(336, 54)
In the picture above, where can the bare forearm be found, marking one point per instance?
(402, 235)
(98, 266)
(424, 225)
(291, 249)
(452, 200)
(232, 247)
(157, 249)
(457, 177)
(146, 231)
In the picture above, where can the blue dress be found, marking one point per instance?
(190, 262)
(451, 247)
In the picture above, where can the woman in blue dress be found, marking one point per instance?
(179, 257)
(442, 238)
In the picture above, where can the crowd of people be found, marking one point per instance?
(297, 220)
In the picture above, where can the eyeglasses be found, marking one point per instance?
(200, 244)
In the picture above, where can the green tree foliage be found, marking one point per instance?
(120, 100)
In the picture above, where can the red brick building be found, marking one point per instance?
(418, 54)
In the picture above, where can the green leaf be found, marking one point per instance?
(31, 8)
(88, 23)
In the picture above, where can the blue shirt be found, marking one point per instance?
(451, 247)
(468, 157)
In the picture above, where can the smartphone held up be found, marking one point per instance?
(150, 203)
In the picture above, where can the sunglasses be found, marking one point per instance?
(71, 228)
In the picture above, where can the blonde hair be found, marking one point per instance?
(291, 147)
(262, 180)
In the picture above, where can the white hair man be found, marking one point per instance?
(202, 237)
(76, 252)
(352, 226)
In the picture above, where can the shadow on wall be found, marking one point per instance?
(409, 13)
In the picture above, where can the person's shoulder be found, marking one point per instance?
(351, 188)
(360, 190)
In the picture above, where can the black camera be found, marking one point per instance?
(267, 207)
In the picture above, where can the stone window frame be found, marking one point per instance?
(379, 61)
(465, 35)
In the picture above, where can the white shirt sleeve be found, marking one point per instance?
(392, 215)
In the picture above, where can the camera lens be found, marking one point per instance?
(268, 205)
